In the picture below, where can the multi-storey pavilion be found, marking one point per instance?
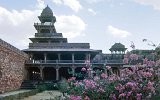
(50, 55)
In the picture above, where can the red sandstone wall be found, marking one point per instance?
(11, 67)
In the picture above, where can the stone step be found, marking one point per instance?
(26, 84)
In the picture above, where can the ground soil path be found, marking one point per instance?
(46, 95)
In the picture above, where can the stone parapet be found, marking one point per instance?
(48, 35)
(59, 45)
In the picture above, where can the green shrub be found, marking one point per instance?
(47, 86)
(42, 87)
(62, 86)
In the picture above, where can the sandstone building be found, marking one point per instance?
(50, 57)
(50, 54)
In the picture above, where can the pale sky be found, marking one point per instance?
(98, 22)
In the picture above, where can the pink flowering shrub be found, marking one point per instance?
(130, 58)
(138, 82)
(73, 97)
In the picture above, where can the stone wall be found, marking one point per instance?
(11, 67)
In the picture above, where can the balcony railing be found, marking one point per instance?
(73, 62)
(43, 23)
(114, 61)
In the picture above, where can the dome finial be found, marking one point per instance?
(47, 12)
(47, 15)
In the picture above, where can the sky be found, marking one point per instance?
(98, 22)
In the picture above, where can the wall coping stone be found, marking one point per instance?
(12, 48)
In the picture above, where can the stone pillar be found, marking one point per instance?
(117, 71)
(89, 73)
(57, 74)
(73, 71)
(59, 56)
(121, 67)
(89, 56)
(72, 57)
(39, 29)
(45, 57)
(31, 56)
(41, 72)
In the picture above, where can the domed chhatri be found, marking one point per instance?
(46, 31)
(47, 15)
(47, 12)
(118, 47)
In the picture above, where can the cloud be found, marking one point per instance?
(154, 3)
(57, 1)
(73, 4)
(95, 1)
(118, 32)
(17, 26)
(71, 26)
(40, 4)
(92, 11)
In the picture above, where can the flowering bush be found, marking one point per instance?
(138, 82)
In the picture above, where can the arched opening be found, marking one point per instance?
(49, 73)
(34, 73)
(80, 74)
(65, 72)
(116, 70)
